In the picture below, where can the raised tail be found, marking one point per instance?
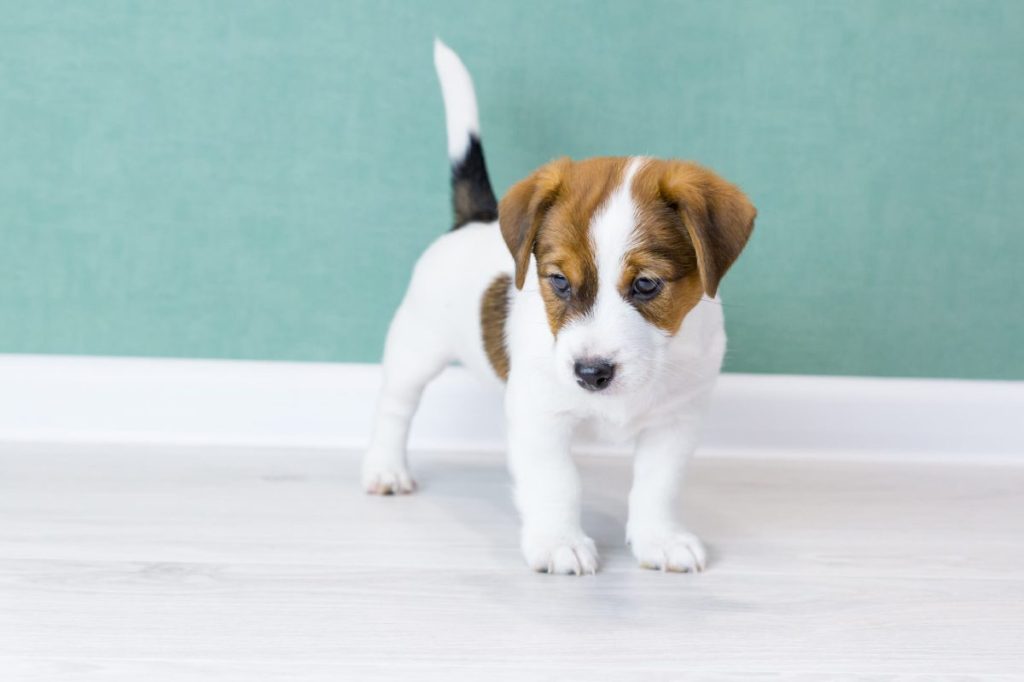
(473, 199)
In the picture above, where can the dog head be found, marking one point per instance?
(624, 248)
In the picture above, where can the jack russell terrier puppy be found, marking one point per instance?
(590, 291)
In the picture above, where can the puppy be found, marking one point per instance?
(590, 292)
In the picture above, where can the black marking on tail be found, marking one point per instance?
(472, 197)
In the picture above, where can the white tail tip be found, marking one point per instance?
(460, 109)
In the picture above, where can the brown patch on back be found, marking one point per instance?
(691, 226)
(549, 214)
(493, 313)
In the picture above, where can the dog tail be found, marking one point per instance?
(472, 197)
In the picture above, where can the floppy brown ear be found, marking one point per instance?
(717, 214)
(521, 212)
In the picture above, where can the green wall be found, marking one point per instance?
(254, 179)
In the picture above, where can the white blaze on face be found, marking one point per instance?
(613, 330)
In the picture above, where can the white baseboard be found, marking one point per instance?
(57, 399)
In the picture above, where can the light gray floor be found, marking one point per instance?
(255, 565)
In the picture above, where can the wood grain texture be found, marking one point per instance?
(224, 564)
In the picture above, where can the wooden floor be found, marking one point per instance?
(271, 565)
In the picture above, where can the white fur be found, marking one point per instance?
(657, 399)
(459, 99)
(614, 330)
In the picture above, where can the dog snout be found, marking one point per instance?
(594, 374)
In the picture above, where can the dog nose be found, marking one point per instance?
(594, 375)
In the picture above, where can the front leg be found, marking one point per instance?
(654, 532)
(547, 489)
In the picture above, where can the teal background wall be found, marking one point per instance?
(252, 179)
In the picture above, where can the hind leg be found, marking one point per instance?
(413, 355)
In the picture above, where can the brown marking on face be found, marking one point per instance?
(662, 251)
(716, 214)
(691, 226)
(493, 314)
(549, 214)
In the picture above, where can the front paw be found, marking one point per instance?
(570, 553)
(385, 476)
(676, 551)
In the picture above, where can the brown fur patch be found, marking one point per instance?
(691, 226)
(663, 252)
(549, 215)
(716, 214)
(493, 314)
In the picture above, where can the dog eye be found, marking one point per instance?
(645, 288)
(561, 285)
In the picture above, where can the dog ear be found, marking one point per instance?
(521, 212)
(717, 214)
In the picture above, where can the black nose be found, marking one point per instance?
(594, 375)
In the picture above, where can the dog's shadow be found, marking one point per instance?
(475, 493)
